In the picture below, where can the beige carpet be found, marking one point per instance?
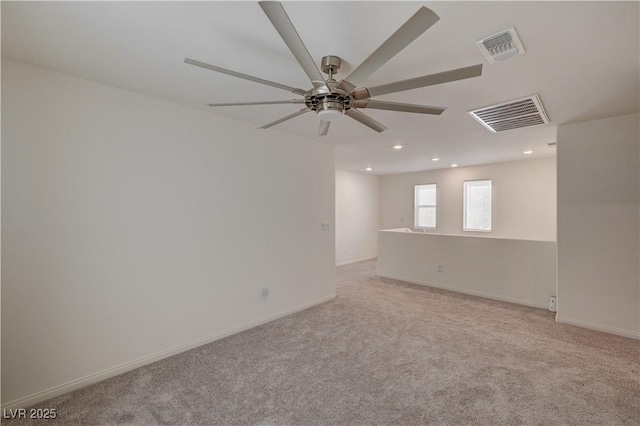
(383, 352)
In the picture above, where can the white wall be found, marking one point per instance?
(524, 198)
(598, 224)
(134, 228)
(518, 271)
(357, 216)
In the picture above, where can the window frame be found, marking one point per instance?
(464, 206)
(416, 206)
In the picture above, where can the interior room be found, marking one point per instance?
(334, 212)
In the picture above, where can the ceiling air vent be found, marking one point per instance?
(501, 46)
(514, 114)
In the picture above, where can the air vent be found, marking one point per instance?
(510, 115)
(501, 46)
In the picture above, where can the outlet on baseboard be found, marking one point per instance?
(439, 268)
(552, 303)
(265, 293)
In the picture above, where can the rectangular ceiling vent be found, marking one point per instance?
(510, 115)
(501, 46)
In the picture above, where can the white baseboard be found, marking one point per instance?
(463, 290)
(351, 262)
(128, 366)
(599, 327)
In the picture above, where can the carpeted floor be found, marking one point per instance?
(384, 352)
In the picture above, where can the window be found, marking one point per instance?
(425, 206)
(477, 205)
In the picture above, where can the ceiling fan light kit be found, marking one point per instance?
(331, 111)
(330, 99)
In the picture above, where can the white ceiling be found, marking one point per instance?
(582, 59)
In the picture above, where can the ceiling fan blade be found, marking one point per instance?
(280, 20)
(425, 80)
(324, 128)
(396, 106)
(288, 117)
(292, 101)
(245, 76)
(421, 21)
(365, 119)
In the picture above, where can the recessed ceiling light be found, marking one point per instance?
(368, 169)
(454, 165)
(398, 146)
(527, 152)
(435, 158)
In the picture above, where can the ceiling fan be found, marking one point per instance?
(331, 99)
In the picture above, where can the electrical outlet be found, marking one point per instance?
(326, 226)
(265, 293)
(439, 268)
(552, 303)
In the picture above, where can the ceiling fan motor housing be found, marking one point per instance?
(336, 100)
